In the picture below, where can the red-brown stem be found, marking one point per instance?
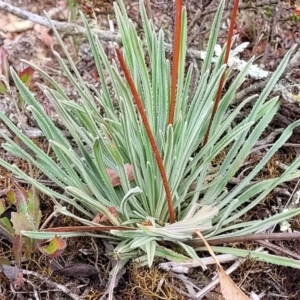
(176, 53)
(228, 46)
(246, 238)
(86, 228)
(154, 147)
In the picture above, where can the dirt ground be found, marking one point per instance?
(271, 28)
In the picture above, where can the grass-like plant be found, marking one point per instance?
(143, 217)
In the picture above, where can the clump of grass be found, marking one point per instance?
(173, 192)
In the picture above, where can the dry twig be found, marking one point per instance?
(248, 237)
(53, 284)
(201, 14)
(279, 249)
(64, 27)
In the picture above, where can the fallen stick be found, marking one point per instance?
(247, 238)
(64, 27)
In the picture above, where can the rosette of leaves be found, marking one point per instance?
(118, 137)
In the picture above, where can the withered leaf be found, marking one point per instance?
(14, 274)
(78, 270)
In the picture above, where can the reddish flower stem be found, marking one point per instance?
(176, 53)
(154, 147)
(228, 46)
